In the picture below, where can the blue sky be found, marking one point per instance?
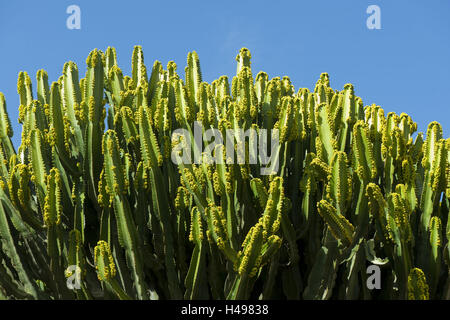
(404, 67)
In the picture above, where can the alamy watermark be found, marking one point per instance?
(188, 147)
(374, 280)
(74, 20)
(73, 274)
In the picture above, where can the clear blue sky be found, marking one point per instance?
(404, 67)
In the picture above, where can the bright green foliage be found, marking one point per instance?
(93, 189)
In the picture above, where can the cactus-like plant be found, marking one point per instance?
(94, 187)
